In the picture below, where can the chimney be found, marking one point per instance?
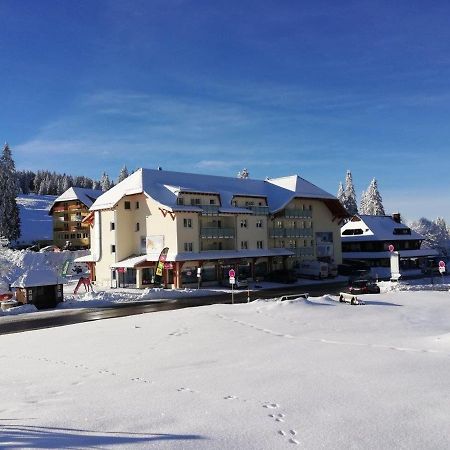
(396, 217)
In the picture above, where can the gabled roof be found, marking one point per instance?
(84, 195)
(163, 186)
(378, 228)
(37, 277)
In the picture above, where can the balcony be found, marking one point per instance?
(297, 213)
(259, 210)
(290, 232)
(209, 210)
(217, 233)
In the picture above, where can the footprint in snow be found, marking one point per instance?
(271, 405)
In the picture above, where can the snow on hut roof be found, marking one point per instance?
(164, 186)
(84, 195)
(376, 228)
(37, 277)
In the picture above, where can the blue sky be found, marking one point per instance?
(283, 87)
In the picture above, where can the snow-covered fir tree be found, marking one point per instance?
(340, 193)
(105, 182)
(349, 199)
(243, 174)
(436, 234)
(9, 188)
(123, 174)
(371, 201)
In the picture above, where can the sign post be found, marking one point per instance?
(199, 276)
(442, 268)
(231, 274)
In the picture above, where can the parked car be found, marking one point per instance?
(50, 248)
(239, 282)
(363, 287)
(282, 276)
(314, 269)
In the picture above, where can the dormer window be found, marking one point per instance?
(402, 231)
(180, 201)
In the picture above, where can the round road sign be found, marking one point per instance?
(391, 248)
(231, 273)
(441, 264)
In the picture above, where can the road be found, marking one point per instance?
(58, 318)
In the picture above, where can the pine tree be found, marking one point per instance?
(363, 208)
(436, 234)
(9, 188)
(123, 174)
(372, 203)
(350, 195)
(105, 182)
(340, 193)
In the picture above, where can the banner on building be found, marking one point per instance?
(154, 244)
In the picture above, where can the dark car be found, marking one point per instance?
(363, 287)
(282, 276)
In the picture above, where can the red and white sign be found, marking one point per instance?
(442, 264)
(391, 248)
(231, 273)
(121, 269)
(232, 280)
(168, 265)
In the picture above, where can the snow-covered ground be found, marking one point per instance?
(265, 375)
(36, 224)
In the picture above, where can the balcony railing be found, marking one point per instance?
(290, 232)
(217, 233)
(210, 210)
(259, 210)
(297, 213)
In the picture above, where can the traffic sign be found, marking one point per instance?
(442, 264)
(442, 269)
(232, 280)
(231, 273)
(391, 248)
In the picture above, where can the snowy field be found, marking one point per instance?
(265, 375)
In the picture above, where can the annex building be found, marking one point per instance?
(369, 238)
(209, 222)
(68, 211)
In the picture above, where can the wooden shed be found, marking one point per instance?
(41, 288)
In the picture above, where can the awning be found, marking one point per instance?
(134, 261)
(130, 263)
(85, 258)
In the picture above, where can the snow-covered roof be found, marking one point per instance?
(37, 277)
(164, 186)
(377, 228)
(84, 195)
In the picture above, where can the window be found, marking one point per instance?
(72, 235)
(113, 248)
(310, 207)
(127, 205)
(112, 226)
(244, 223)
(244, 245)
(137, 205)
(278, 224)
(259, 244)
(78, 235)
(212, 202)
(85, 235)
(180, 201)
(137, 226)
(66, 236)
(66, 217)
(259, 224)
(188, 246)
(195, 201)
(187, 223)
